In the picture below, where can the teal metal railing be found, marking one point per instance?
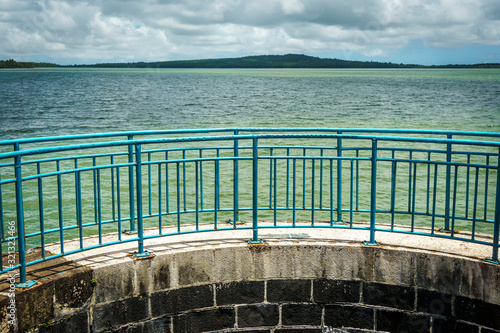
(68, 194)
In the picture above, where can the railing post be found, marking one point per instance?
(373, 201)
(448, 186)
(140, 229)
(236, 207)
(255, 193)
(496, 230)
(20, 222)
(339, 179)
(131, 186)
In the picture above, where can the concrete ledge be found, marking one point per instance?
(313, 281)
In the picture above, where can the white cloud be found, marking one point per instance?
(89, 30)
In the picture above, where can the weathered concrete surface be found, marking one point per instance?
(307, 279)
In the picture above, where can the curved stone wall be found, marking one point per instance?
(282, 286)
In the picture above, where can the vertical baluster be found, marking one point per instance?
(140, 229)
(255, 193)
(40, 208)
(236, 181)
(339, 179)
(331, 191)
(112, 171)
(118, 201)
(486, 180)
(434, 196)
(448, 185)
(474, 212)
(159, 200)
(454, 202)
(131, 184)
(287, 178)
(149, 185)
(321, 180)
(197, 193)
(275, 192)
(467, 188)
(167, 190)
(351, 198)
(393, 190)
(184, 179)
(294, 187)
(414, 194)
(59, 206)
(20, 220)
(178, 199)
(373, 200)
(78, 195)
(313, 180)
(496, 228)
(271, 179)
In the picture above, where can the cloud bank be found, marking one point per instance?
(111, 30)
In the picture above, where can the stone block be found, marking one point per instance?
(74, 288)
(434, 302)
(258, 315)
(234, 265)
(401, 322)
(389, 295)
(192, 268)
(160, 272)
(174, 301)
(119, 278)
(301, 314)
(349, 316)
(78, 322)
(205, 320)
(110, 315)
(393, 266)
(334, 291)
(35, 305)
(242, 292)
(478, 312)
(445, 325)
(289, 291)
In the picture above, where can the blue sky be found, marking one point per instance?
(400, 31)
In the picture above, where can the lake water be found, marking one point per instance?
(48, 102)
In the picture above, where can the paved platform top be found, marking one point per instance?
(319, 236)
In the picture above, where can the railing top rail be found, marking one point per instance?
(247, 129)
(91, 145)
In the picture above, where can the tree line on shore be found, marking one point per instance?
(261, 61)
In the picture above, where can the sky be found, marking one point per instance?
(428, 32)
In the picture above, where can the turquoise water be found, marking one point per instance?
(50, 102)
(47, 102)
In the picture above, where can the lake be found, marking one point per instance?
(48, 102)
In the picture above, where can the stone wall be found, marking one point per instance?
(277, 287)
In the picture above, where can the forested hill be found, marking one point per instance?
(11, 63)
(262, 61)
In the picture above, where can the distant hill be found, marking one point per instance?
(261, 61)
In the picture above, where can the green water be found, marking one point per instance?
(50, 102)
(47, 102)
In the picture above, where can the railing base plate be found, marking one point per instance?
(145, 254)
(27, 284)
(129, 232)
(259, 241)
(366, 243)
(491, 261)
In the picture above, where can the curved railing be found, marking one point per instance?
(129, 187)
